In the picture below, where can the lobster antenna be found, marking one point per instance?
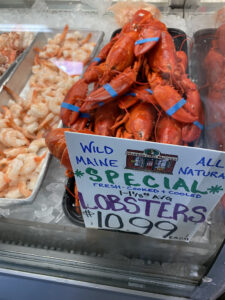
(182, 44)
(157, 121)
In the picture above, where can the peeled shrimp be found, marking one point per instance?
(13, 193)
(33, 127)
(13, 152)
(54, 105)
(23, 122)
(29, 119)
(39, 110)
(3, 123)
(36, 145)
(12, 138)
(22, 186)
(32, 181)
(13, 170)
(30, 162)
(15, 109)
(46, 120)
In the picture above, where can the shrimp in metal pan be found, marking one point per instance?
(30, 162)
(22, 186)
(13, 152)
(12, 138)
(13, 170)
(36, 145)
(39, 110)
(14, 95)
(50, 51)
(24, 121)
(15, 109)
(28, 119)
(32, 128)
(3, 123)
(13, 193)
(47, 119)
(54, 105)
(32, 181)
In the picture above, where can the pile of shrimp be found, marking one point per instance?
(25, 120)
(12, 44)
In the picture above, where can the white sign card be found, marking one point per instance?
(158, 190)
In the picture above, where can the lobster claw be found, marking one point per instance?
(56, 143)
(105, 117)
(168, 131)
(148, 38)
(94, 72)
(117, 87)
(70, 107)
(192, 132)
(169, 99)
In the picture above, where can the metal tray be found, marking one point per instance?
(18, 79)
(12, 66)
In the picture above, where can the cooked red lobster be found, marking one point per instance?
(140, 91)
(141, 56)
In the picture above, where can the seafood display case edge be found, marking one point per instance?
(38, 239)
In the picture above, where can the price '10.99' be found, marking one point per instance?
(115, 222)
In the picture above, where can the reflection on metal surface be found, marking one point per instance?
(25, 27)
(69, 67)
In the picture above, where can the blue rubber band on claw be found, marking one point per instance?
(130, 94)
(110, 90)
(175, 108)
(153, 39)
(84, 115)
(98, 59)
(150, 91)
(74, 108)
(199, 125)
(70, 106)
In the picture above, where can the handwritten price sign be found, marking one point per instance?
(162, 191)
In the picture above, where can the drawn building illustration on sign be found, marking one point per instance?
(150, 160)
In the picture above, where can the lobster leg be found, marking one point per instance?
(145, 94)
(127, 101)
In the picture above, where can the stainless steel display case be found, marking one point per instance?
(39, 242)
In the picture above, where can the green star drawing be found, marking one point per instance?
(78, 173)
(215, 189)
